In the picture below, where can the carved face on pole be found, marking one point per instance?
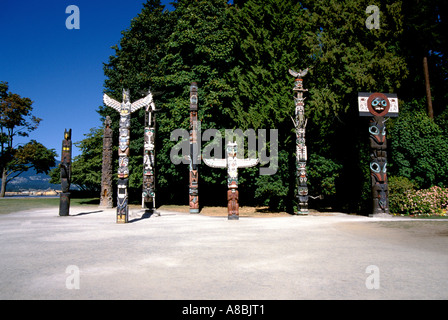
(378, 170)
(377, 131)
(378, 104)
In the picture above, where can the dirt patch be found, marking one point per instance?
(257, 212)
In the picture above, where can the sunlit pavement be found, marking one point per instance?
(189, 256)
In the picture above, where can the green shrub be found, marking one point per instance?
(398, 188)
(418, 148)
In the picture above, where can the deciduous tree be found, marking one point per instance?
(16, 119)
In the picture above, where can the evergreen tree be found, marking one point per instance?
(166, 51)
(239, 55)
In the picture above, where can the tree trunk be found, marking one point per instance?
(428, 88)
(4, 177)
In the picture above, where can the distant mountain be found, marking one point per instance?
(30, 180)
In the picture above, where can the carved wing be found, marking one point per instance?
(247, 163)
(143, 102)
(293, 73)
(111, 103)
(216, 163)
(303, 73)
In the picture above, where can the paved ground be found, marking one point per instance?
(183, 256)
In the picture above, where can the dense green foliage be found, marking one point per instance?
(240, 53)
(419, 148)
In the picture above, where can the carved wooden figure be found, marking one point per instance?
(106, 200)
(125, 108)
(232, 163)
(301, 151)
(194, 150)
(66, 174)
(378, 106)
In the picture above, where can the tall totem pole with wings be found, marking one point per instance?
(232, 163)
(125, 109)
(301, 152)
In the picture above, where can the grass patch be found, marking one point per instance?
(9, 205)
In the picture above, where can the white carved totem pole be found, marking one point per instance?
(301, 152)
(148, 192)
(194, 150)
(125, 108)
(232, 164)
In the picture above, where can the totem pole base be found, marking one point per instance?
(380, 213)
(122, 214)
(194, 202)
(303, 210)
(232, 204)
(64, 204)
(122, 217)
(148, 204)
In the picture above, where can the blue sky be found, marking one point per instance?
(61, 70)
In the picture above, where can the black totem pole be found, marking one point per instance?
(379, 107)
(66, 173)
(106, 200)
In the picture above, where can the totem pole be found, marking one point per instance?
(148, 192)
(106, 200)
(194, 149)
(378, 106)
(125, 108)
(301, 152)
(232, 164)
(66, 173)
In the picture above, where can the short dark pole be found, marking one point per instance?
(65, 166)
